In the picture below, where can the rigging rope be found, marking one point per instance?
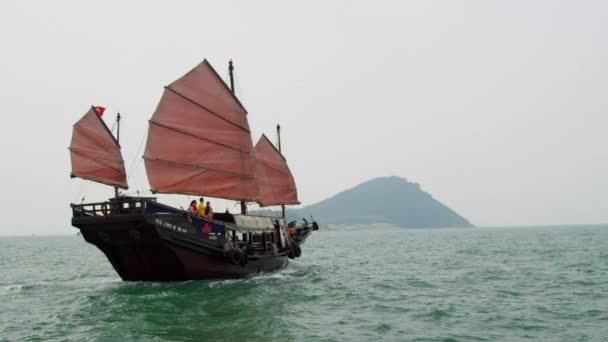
(134, 164)
(113, 126)
(238, 91)
(79, 195)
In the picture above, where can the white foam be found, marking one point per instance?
(11, 289)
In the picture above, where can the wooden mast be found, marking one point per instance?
(279, 143)
(231, 72)
(117, 141)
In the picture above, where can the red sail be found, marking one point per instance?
(276, 183)
(199, 140)
(95, 153)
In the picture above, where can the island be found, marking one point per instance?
(383, 201)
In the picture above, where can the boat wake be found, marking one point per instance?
(10, 289)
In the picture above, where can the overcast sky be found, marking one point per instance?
(497, 108)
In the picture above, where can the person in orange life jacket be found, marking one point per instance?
(208, 210)
(201, 207)
(192, 209)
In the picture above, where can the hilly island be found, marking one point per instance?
(385, 200)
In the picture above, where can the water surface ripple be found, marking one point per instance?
(507, 284)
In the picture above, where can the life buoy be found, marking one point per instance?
(291, 254)
(297, 251)
(235, 257)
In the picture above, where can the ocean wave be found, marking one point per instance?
(11, 289)
(437, 314)
(500, 286)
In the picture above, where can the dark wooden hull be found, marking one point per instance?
(144, 246)
(139, 250)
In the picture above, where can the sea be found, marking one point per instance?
(474, 284)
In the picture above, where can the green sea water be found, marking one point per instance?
(507, 284)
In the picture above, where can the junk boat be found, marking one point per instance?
(199, 143)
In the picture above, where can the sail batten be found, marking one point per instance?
(193, 135)
(199, 140)
(94, 152)
(93, 160)
(197, 152)
(275, 181)
(204, 86)
(192, 180)
(205, 108)
(197, 166)
(272, 167)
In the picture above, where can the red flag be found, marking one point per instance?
(100, 110)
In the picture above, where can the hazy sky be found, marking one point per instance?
(497, 108)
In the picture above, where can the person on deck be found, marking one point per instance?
(192, 209)
(201, 207)
(208, 211)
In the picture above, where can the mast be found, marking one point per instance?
(279, 143)
(231, 69)
(118, 141)
(279, 136)
(231, 72)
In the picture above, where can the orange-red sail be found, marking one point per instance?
(95, 153)
(276, 183)
(199, 140)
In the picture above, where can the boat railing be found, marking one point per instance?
(113, 207)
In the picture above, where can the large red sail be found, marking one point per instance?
(276, 183)
(95, 153)
(199, 140)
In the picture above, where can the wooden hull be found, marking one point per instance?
(141, 251)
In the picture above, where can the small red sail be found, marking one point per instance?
(276, 183)
(199, 140)
(95, 153)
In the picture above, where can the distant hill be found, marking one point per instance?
(388, 200)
